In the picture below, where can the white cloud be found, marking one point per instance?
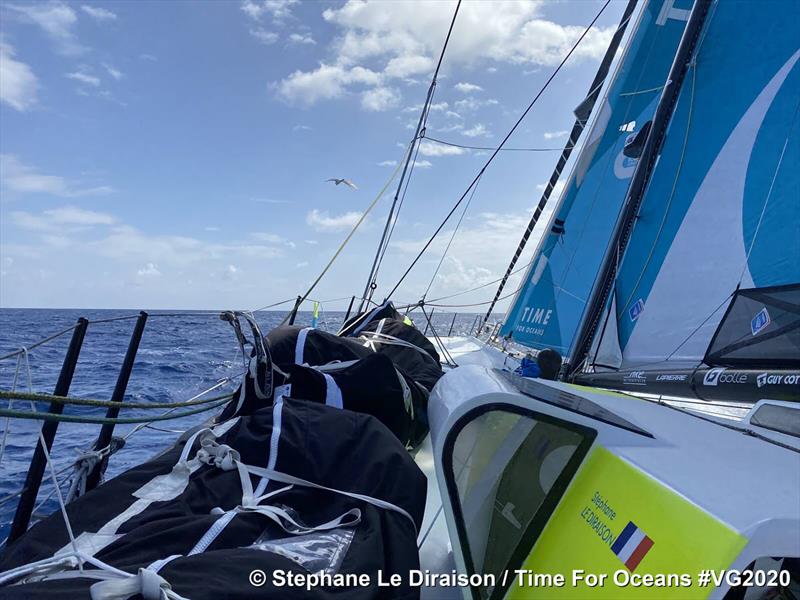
(301, 128)
(57, 20)
(277, 9)
(211, 228)
(387, 163)
(272, 238)
(478, 130)
(399, 40)
(505, 31)
(18, 84)
(18, 177)
(98, 13)
(148, 57)
(432, 149)
(149, 270)
(302, 264)
(302, 38)
(323, 83)
(552, 135)
(84, 78)
(406, 66)
(323, 222)
(380, 99)
(264, 36)
(435, 107)
(474, 104)
(312, 242)
(467, 88)
(423, 164)
(61, 220)
(115, 73)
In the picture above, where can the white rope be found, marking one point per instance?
(50, 466)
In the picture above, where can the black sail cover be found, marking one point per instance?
(338, 449)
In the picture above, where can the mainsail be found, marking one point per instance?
(722, 207)
(548, 307)
(700, 283)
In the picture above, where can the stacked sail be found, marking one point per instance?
(548, 308)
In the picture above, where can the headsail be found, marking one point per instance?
(547, 310)
(721, 210)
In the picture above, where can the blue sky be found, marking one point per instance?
(174, 154)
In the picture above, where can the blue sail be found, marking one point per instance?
(548, 307)
(722, 207)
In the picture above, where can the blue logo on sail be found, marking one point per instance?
(636, 310)
(760, 321)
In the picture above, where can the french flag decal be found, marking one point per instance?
(631, 546)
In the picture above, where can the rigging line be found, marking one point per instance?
(39, 343)
(385, 246)
(64, 418)
(502, 143)
(452, 237)
(36, 397)
(273, 305)
(373, 273)
(347, 239)
(473, 304)
(438, 141)
(113, 319)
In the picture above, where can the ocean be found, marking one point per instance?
(181, 354)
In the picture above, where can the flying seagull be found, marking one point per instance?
(337, 181)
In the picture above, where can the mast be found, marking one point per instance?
(644, 168)
(582, 114)
(369, 289)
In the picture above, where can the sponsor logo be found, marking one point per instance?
(760, 321)
(720, 375)
(712, 377)
(635, 378)
(624, 166)
(671, 378)
(636, 310)
(540, 316)
(767, 379)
